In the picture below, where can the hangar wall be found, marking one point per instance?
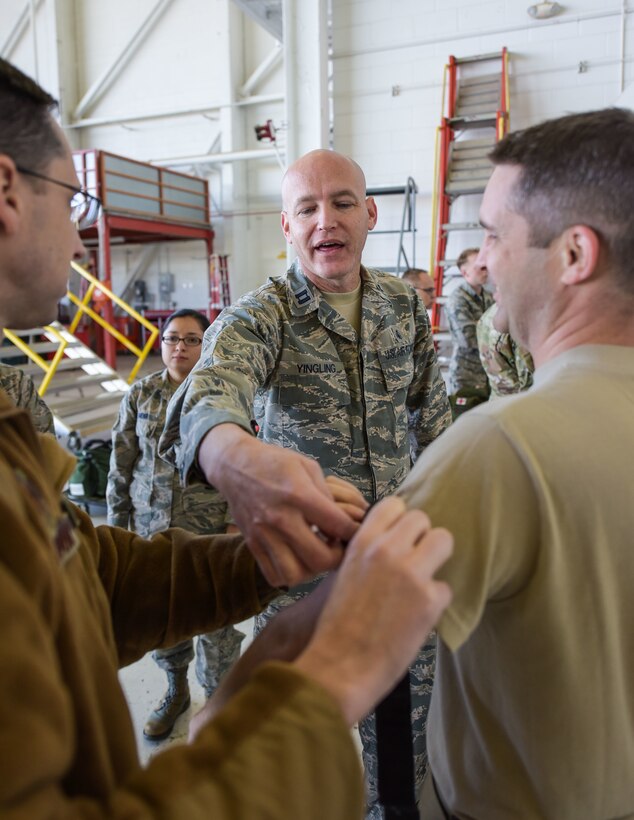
(169, 79)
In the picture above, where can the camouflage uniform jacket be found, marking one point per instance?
(22, 392)
(509, 366)
(355, 406)
(464, 308)
(144, 491)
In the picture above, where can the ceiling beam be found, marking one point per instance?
(18, 30)
(109, 75)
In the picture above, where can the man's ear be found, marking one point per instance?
(580, 250)
(9, 199)
(286, 228)
(370, 204)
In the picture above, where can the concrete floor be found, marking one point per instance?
(144, 684)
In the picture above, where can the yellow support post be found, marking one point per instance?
(434, 202)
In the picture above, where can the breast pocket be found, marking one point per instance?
(397, 374)
(308, 390)
(147, 427)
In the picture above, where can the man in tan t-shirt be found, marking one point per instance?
(532, 706)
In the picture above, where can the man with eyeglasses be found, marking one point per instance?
(144, 493)
(423, 284)
(77, 602)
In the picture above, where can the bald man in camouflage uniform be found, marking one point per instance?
(509, 366)
(464, 307)
(338, 361)
(22, 391)
(144, 494)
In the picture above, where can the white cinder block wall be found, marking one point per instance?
(387, 67)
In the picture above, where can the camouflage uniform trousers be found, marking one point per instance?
(216, 652)
(421, 683)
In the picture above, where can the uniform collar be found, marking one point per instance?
(466, 286)
(304, 298)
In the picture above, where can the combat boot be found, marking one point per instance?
(175, 701)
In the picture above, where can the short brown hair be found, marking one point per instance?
(577, 170)
(464, 256)
(412, 274)
(26, 128)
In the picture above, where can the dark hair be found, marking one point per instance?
(412, 274)
(577, 170)
(202, 320)
(26, 131)
(464, 256)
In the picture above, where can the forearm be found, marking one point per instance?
(174, 586)
(219, 448)
(281, 746)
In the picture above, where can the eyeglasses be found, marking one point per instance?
(190, 341)
(85, 209)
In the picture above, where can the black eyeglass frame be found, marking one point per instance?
(93, 203)
(181, 339)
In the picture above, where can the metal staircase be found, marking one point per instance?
(82, 391)
(85, 394)
(476, 112)
(408, 223)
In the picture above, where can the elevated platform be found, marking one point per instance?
(144, 203)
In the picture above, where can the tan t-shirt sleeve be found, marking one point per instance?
(474, 482)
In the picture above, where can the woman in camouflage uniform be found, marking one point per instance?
(144, 494)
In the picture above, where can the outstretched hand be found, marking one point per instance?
(281, 503)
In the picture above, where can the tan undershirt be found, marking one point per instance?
(347, 305)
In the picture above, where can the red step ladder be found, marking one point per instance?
(475, 115)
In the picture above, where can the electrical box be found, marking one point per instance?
(166, 283)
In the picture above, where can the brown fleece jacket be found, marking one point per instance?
(77, 602)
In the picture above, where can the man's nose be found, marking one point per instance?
(481, 257)
(327, 218)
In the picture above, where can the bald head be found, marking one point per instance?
(317, 164)
(326, 217)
